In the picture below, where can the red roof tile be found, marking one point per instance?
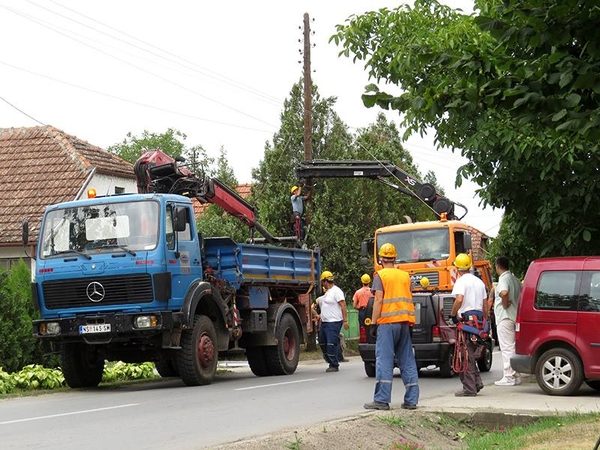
(40, 166)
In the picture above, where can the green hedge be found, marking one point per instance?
(36, 377)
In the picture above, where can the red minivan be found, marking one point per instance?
(558, 324)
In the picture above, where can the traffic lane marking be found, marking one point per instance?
(51, 416)
(274, 384)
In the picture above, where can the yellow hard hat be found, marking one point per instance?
(327, 275)
(294, 189)
(365, 279)
(388, 251)
(462, 261)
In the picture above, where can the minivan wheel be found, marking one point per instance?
(558, 372)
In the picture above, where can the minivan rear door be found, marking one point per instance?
(424, 318)
(588, 318)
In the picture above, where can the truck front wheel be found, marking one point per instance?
(81, 365)
(282, 359)
(198, 357)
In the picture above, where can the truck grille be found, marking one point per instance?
(434, 278)
(117, 290)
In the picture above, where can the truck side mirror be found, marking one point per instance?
(181, 219)
(25, 232)
(366, 248)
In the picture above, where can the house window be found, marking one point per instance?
(119, 190)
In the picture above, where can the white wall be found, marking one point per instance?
(105, 185)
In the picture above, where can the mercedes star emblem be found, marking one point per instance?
(95, 291)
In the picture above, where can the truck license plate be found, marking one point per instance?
(95, 328)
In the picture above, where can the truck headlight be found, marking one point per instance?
(49, 328)
(146, 321)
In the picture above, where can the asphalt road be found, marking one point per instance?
(167, 414)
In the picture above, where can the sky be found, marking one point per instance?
(217, 71)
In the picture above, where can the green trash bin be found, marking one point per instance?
(352, 332)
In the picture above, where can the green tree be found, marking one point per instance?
(214, 221)
(171, 142)
(18, 347)
(341, 212)
(516, 88)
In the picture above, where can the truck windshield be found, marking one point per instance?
(120, 227)
(418, 245)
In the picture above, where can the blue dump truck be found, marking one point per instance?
(129, 278)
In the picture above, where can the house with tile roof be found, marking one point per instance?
(42, 165)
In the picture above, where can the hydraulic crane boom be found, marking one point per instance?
(158, 172)
(381, 171)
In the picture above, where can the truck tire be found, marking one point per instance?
(558, 372)
(446, 366)
(81, 365)
(485, 362)
(166, 366)
(257, 361)
(282, 359)
(197, 360)
(370, 369)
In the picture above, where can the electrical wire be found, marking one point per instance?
(172, 57)
(160, 77)
(21, 111)
(134, 102)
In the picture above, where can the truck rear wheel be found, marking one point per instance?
(198, 357)
(282, 359)
(81, 365)
(257, 361)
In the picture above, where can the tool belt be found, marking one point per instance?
(474, 323)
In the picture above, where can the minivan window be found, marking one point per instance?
(590, 301)
(557, 290)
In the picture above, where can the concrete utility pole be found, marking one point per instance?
(307, 92)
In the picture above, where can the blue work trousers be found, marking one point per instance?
(394, 343)
(329, 340)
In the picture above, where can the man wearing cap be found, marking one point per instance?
(333, 315)
(361, 297)
(470, 300)
(394, 314)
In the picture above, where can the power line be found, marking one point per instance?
(21, 111)
(115, 97)
(160, 77)
(190, 65)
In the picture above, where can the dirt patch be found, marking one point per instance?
(573, 436)
(379, 430)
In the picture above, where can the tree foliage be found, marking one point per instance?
(516, 87)
(18, 347)
(341, 212)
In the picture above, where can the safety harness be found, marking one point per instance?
(473, 326)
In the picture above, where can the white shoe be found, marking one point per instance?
(506, 381)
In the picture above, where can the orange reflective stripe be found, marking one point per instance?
(398, 299)
(400, 312)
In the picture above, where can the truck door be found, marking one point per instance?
(182, 250)
(588, 318)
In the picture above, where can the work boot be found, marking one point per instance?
(344, 360)
(479, 387)
(465, 394)
(377, 405)
(332, 369)
(408, 406)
